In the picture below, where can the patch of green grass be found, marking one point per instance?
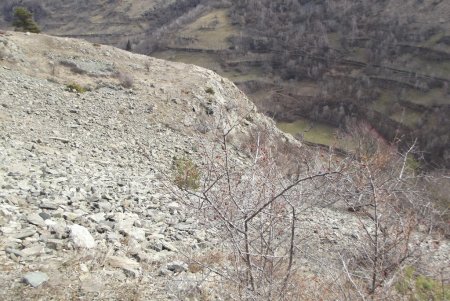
(74, 87)
(421, 288)
(384, 101)
(187, 174)
(407, 116)
(427, 98)
(248, 74)
(432, 41)
(335, 40)
(210, 61)
(312, 132)
(360, 54)
(210, 90)
(205, 60)
(423, 66)
(211, 31)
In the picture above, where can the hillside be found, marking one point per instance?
(107, 22)
(103, 159)
(126, 177)
(100, 151)
(308, 64)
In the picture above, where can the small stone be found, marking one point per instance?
(35, 279)
(45, 216)
(48, 206)
(36, 219)
(102, 228)
(177, 266)
(14, 252)
(173, 206)
(81, 237)
(84, 268)
(354, 236)
(157, 246)
(54, 244)
(98, 217)
(33, 251)
(168, 246)
(105, 206)
(25, 233)
(164, 272)
(59, 229)
(126, 264)
(137, 233)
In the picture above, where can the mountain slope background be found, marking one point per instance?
(316, 67)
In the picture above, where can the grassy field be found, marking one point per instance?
(210, 31)
(384, 101)
(211, 61)
(385, 104)
(318, 133)
(406, 116)
(334, 40)
(206, 60)
(428, 98)
(311, 131)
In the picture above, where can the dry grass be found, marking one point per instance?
(210, 31)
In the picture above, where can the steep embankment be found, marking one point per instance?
(102, 160)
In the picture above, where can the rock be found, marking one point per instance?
(137, 233)
(57, 228)
(48, 206)
(45, 216)
(177, 266)
(168, 246)
(25, 233)
(164, 272)
(81, 237)
(33, 251)
(156, 245)
(35, 279)
(36, 220)
(98, 217)
(105, 206)
(200, 235)
(54, 244)
(128, 265)
(102, 228)
(15, 252)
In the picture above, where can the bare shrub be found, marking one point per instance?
(255, 210)
(394, 214)
(259, 212)
(126, 80)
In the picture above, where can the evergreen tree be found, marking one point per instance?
(23, 20)
(128, 47)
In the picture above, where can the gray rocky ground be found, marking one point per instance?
(85, 178)
(86, 204)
